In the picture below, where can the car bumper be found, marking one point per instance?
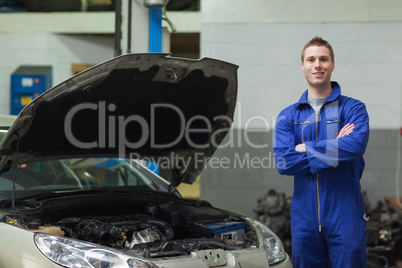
(20, 251)
(249, 258)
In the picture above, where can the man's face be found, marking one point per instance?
(317, 66)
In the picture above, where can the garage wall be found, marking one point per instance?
(58, 50)
(265, 39)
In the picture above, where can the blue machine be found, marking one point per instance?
(27, 83)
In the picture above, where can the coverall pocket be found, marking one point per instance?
(333, 127)
(304, 131)
(353, 227)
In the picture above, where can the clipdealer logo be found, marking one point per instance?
(112, 134)
(112, 128)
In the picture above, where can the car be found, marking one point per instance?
(75, 190)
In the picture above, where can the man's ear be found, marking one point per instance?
(302, 66)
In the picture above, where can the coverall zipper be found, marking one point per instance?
(318, 186)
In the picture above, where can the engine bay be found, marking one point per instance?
(160, 229)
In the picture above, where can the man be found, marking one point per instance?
(320, 140)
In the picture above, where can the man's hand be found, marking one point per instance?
(300, 148)
(346, 130)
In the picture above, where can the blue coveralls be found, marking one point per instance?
(327, 216)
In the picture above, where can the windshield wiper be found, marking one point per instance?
(58, 193)
(26, 200)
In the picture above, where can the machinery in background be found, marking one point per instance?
(27, 83)
(273, 210)
(384, 234)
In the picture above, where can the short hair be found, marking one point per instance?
(318, 41)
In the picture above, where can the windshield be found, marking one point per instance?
(79, 173)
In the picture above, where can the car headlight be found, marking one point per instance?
(73, 253)
(270, 243)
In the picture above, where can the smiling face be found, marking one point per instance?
(317, 66)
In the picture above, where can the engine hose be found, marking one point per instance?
(165, 227)
(162, 243)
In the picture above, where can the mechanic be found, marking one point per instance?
(320, 140)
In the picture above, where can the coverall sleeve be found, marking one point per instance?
(288, 161)
(332, 152)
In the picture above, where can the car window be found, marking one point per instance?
(81, 173)
(78, 173)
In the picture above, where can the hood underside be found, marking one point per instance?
(137, 105)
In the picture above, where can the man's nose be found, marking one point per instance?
(317, 63)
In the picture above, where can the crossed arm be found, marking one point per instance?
(346, 130)
(313, 156)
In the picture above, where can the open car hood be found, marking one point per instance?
(150, 106)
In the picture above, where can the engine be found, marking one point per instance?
(150, 237)
(152, 231)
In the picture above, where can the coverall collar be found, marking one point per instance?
(336, 91)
